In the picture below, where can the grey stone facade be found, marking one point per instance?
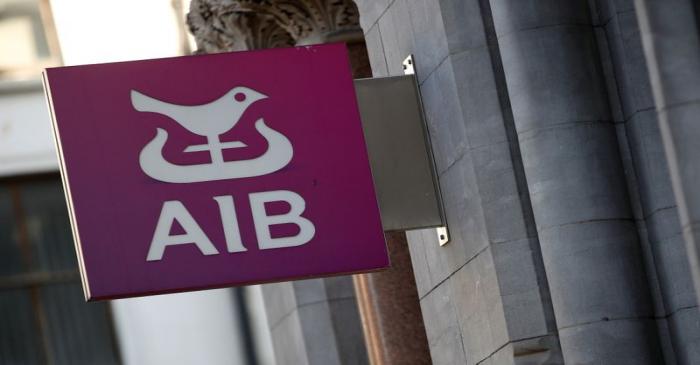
(566, 241)
(567, 146)
(315, 322)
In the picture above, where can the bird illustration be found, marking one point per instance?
(209, 120)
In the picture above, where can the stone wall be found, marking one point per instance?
(566, 242)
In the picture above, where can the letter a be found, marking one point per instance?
(263, 221)
(171, 211)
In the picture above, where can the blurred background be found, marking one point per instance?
(43, 318)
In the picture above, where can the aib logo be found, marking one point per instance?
(212, 120)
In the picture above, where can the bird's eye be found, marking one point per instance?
(239, 96)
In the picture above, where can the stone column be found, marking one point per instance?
(577, 186)
(672, 49)
(654, 204)
(317, 321)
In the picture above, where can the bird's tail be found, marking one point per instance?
(144, 103)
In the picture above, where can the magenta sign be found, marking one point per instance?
(215, 170)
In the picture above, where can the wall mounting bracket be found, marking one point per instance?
(401, 153)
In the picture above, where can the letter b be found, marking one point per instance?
(264, 221)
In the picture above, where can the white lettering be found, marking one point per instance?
(229, 221)
(263, 221)
(171, 211)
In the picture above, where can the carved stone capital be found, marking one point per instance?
(227, 25)
(317, 21)
(220, 25)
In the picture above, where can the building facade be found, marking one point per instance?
(564, 135)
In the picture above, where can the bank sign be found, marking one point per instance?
(215, 170)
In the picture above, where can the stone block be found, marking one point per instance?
(495, 173)
(475, 291)
(430, 42)
(636, 75)
(464, 27)
(309, 291)
(574, 174)
(671, 258)
(554, 77)
(397, 35)
(620, 342)
(526, 304)
(685, 327)
(442, 328)
(465, 220)
(654, 182)
(288, 341)
(518, 15)
(525, 314)
(319, 335)
(370, 11)
(685, 133)
(504, 220)
(632, 86)
(444, 116)
(279, 301)
(513, 262)
(478, 97)
(500, 196)
(375, 52)
(594, 271)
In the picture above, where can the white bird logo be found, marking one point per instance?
(210, 120)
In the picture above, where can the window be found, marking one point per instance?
(28, 41)
(43, 316)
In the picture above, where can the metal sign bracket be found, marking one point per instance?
(401, 153)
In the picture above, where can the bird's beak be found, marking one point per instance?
(259, 96)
